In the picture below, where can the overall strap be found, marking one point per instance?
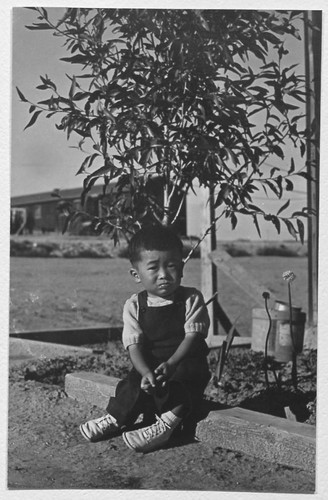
(179, 295)
(142, 301)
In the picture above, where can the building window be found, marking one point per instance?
(37, 212)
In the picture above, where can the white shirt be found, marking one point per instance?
(195, 320)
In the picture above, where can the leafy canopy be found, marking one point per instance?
(178, 97)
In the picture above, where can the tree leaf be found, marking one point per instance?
(83, 133)
(300, 226)
(79, 96)
(72, 88)
(92, 159)
(21, 96)
(33, 119)
(297, 117)
(72, 217)
(305, 175)
(273, 187)
(278, 151)
(255, 208)
(88, 183)
(41, 26)
(289, 185)
(292, 166)
(273, 170)
(102, 170)
(276, 222)
(83, 166)
(257, 225)
(222, 195)
(279, 184)
(281, 209)
(77, 59)
(290, 228)
(234, 220)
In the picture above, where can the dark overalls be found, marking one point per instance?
(163, 331)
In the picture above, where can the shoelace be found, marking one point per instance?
(156, 429)
(104, 422)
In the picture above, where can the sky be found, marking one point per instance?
(41, 157)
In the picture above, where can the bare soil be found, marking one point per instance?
(46, 450)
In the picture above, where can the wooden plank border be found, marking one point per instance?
(262, 436)
(269, 438)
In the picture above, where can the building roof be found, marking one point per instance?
(67, 194)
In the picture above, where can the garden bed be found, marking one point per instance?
(243, 382)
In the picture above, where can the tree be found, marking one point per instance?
(179, 96)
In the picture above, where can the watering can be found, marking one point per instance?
(280, 343)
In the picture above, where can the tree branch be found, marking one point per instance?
(208, 230)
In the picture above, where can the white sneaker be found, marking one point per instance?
(99, 429)
(148, 438)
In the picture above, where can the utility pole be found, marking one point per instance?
(312, 38)
(208, 269)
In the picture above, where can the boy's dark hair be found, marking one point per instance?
(153, 238)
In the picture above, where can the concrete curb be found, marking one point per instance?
(270, 438)
(92, 388)
(71, 336)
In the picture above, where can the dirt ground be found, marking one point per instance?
(46, 451)
(45, 448)
(63, 293)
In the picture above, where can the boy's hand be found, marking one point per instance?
(163, 372)
(148, 382)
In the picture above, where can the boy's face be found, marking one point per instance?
(159, 271)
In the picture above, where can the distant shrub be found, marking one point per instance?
(69, 249)
(277, 251)
(122, 252)
(27, 248)
(237, 251)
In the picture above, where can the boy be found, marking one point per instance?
(164, 331)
